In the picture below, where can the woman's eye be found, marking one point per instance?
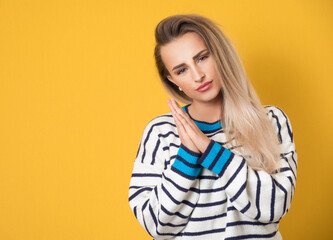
(203, 57)
(181, 71)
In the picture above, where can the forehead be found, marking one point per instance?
(182, 49)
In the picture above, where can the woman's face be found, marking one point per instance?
(191, 65)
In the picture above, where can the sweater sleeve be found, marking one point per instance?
(257, 194)
(162, 198)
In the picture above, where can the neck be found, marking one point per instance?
(206, 111)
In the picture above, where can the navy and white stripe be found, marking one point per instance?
(176, 193)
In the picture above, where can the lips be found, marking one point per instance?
(203, 85)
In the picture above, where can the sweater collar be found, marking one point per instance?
(204, 126)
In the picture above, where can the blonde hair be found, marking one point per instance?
(244, 118)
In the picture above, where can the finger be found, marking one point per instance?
(173, 112)
(189, 121)
(177, 117)
(171, 107)
(191, 131)
(176, 111)
(176, 106)
(183, 135)
(188, 127)
(180, 123)
(181, 130)
(179, 110)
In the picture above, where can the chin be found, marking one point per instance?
(207, 97)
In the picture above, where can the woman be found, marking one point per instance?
(221, 167)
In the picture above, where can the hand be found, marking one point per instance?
(189, 133)
(184, 138)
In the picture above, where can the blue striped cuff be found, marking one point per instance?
(215, 157)
(186, 162)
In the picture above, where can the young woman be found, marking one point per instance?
(221, 167)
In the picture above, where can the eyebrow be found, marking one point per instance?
(194, 57)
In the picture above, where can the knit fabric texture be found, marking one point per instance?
(176, 193)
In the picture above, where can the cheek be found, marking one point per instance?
(213, 70)
(215, 75)
(211, 66)
(188, 89)
(218, 83)
(184, 83)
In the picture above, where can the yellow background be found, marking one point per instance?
(78, 84)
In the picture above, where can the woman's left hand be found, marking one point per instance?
(192, 130)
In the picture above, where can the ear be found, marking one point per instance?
(170, 79)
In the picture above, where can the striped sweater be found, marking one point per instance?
(176, 193)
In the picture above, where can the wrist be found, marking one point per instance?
(195, 153)
(203, 146)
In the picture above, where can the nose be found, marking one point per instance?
(198, 74)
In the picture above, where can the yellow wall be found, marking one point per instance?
(78, 84)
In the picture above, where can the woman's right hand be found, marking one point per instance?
(184, 137)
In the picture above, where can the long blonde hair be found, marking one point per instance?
(244, 117)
